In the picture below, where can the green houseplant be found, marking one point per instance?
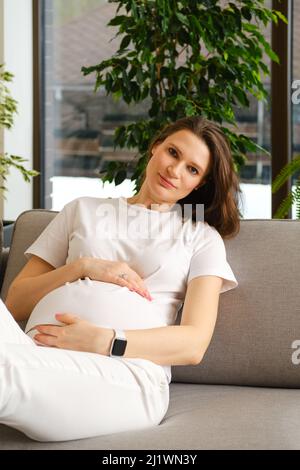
(8, 109)
(223, 51)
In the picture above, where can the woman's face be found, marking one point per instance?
(183, 159)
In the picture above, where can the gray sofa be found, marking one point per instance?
(245, 394)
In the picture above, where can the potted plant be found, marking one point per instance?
(294, 196)
(8, 109)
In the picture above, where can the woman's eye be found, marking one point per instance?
(172, 150)
(195, 170)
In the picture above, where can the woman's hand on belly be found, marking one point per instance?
(108, 271)
(76, 334)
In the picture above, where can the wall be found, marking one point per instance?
(16, 40)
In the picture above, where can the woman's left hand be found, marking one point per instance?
(76, 334)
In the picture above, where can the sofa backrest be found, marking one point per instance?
(258, 325)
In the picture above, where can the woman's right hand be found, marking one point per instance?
(108, 271)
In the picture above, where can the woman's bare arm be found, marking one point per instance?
(185, 343)
(37, 279)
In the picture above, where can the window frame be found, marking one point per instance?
(281, 108)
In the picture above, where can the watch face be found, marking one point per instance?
(119, 347)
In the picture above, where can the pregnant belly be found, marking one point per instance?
(104, 304)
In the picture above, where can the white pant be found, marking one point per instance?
(53, 394)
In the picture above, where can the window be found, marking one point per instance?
(79, 124)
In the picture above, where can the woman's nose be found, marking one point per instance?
(174, 171)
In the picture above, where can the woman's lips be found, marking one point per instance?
(165, 183)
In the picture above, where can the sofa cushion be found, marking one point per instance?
(258, 322)
(212, 417)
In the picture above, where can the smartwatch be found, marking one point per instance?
(118, 344)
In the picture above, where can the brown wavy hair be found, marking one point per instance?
(219, 193)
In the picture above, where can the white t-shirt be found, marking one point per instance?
(165, 252)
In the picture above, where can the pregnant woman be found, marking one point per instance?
(102, 288)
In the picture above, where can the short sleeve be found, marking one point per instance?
(53, 243)
(209, 258)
